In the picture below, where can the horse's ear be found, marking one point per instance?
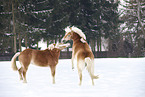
(51, 46)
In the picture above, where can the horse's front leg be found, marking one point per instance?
(72, 60)
(53, 73)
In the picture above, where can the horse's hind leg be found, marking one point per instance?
(91, 72)
(80, 76)
(24, 76)
(80, 66)
(20, 73)
(90, 68)
(24, 70)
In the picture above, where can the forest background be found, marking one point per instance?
(24, 23)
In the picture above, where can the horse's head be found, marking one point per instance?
(59, 46)
(68, 34)
(71, 31)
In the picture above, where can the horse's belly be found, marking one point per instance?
(39, 63)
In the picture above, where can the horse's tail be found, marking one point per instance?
(90, 67)
(13, 61)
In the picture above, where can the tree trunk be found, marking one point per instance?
(20, 42)
(139, 19)
(37, 46)
(110, 44)
(60, 38)
(94, 44)
(47, 43)
(56, 39)
(14, 31)
(100, 45)
(26, 40)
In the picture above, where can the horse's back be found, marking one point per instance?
(44, 58)
(41, 58)
(82, 50)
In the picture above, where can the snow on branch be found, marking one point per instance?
(42, 11)
(36, 12)
(4, 13)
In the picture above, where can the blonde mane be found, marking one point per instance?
(67, 29)
(76, 30)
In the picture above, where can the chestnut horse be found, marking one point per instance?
(48, 57)
(80, 51)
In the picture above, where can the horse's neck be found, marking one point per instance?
(76, 38)
(76, 43)
(55, 53)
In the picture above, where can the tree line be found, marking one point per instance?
(26, 22)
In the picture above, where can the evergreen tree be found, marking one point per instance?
(37, 19)
(6, 41)
(97, 18)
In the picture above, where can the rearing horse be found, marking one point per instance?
(80, 51)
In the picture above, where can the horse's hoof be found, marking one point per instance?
(80, 84)
(24, 81)
(73, 68)
(21, 78)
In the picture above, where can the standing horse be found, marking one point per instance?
(80, 51)
(44, 58)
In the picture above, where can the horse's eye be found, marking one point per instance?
(68, 35)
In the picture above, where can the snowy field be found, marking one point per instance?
(118, 77)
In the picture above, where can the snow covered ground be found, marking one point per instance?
(118, 77)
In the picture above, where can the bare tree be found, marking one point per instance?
(133, 27)
(14, 30)
(139, 17)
